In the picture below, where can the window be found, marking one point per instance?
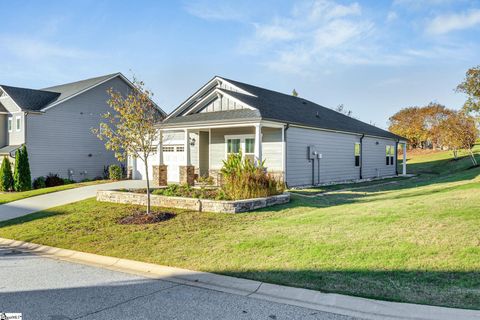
(233, 145)
(180, 148)
(250, 149)
(18, 123)
(10, 121)
(357, 154)
(168, 149)
(389, 155)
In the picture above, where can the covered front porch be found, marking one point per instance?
(188, 153)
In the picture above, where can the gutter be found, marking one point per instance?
(361, 155)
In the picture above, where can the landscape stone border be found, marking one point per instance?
(206, 205)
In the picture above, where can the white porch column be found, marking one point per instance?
(187, 147)
(258, 144)
(404, 163)
(134, 167)
(160, 147)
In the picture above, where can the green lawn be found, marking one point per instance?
(6, 197)
(414, 240)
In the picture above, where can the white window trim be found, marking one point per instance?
(17, 129)
(242, 138)
(10, 120)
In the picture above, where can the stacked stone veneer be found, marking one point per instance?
(187, 175)
(236, 206)
(160, 175)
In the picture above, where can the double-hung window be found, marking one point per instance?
(390, 155)
(241, 143)
(357, 154)
(10, 123)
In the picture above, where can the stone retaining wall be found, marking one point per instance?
(192, 203)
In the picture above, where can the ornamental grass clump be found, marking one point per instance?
(242, 179)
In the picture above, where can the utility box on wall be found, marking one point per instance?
(313, 153)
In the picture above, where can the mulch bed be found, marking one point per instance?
(141, 217)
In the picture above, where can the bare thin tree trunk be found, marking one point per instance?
(148, 187)
(474, 161)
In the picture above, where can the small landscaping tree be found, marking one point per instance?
(22, 177)
(458, 131)
(131, 128)
(6, 175)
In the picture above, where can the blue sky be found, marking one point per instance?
(372, 56)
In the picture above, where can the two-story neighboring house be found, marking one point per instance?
(55, 123)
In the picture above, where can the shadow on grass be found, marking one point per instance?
(441, 288)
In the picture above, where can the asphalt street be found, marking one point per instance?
(43, 288)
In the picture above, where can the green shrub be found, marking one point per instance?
(22, 177)
(6, 176)
(241, 179)
(68, 181)
(39, 183)
(53, 180)
(115, 172)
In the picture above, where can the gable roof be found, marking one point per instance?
(30, 99)
(40, 100)
(276, 106)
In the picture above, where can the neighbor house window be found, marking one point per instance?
(233, 145)
(389, 155)
(18, 123)
(10, 121)
(357, 154)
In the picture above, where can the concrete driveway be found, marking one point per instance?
(43, 288)
(30, 205)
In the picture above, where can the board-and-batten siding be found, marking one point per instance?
(61, 138)
(223, 103)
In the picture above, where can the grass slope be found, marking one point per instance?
(6, 197)
(414, 240)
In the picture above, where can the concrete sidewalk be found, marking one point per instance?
(324, 302)
(38, 203)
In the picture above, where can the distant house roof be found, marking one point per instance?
(276, 106)
(38, 100)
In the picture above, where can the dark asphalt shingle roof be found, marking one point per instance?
(276, 106)
(203, 117)
(35, 100)
(30, 99)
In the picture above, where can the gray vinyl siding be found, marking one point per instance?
(17, 137)
(217, 146)
(374, 163)
(338, 161)
(3, 130)
(272, 148)
(203, 153)
(61, 138)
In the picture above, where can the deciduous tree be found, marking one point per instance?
(130, 129)
(471, 87)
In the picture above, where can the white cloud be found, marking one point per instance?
(456, 21)
(34, 49)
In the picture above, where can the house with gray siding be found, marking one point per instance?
(299, 141)
(55, 124)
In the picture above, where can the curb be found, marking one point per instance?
(326, 302)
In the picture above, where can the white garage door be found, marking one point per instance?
(173, 157)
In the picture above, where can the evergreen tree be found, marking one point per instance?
(294, 93)
(6, 176)
(22, 177)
